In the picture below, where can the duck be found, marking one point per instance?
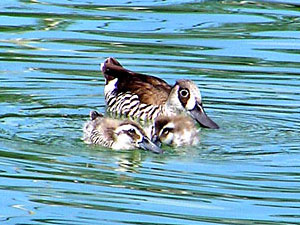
(176, 131)
(116, 134)
(146, 97)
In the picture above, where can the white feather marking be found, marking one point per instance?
(191, 103)
(101, 66)
(123, 141)
(110, 87)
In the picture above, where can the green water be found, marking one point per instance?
(243, 55)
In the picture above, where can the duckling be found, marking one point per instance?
(147, 97)
(116, 134)
(176, 131)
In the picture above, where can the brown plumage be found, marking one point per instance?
(151, 90)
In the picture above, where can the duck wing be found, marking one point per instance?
(150, 90)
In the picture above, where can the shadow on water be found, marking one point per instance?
(243, 55)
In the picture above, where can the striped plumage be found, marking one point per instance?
(146, 97)
(128, 104)
(116, 134)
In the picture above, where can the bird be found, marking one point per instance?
(116, 134)
(176, 131)
(146, 97)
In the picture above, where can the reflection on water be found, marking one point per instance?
(243, 55)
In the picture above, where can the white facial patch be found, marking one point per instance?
(111, 85)
(195, 97)
(123, 141)
(190, 103)
(173, 105)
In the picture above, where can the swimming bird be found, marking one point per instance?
(146, 97)
(116, 134)
(176, 131)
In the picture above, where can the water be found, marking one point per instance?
(243, 55)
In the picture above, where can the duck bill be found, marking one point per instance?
(155, 139)
(199, 114)
(146, 144)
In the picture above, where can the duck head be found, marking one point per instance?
(128, 135)
(177, 131)
(185, 96)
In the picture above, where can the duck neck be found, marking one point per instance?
(170, 109)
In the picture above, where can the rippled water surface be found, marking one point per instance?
(243, 55)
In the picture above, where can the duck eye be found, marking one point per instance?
(184, 93)
(167, 130)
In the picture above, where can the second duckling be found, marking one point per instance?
(176, 131)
